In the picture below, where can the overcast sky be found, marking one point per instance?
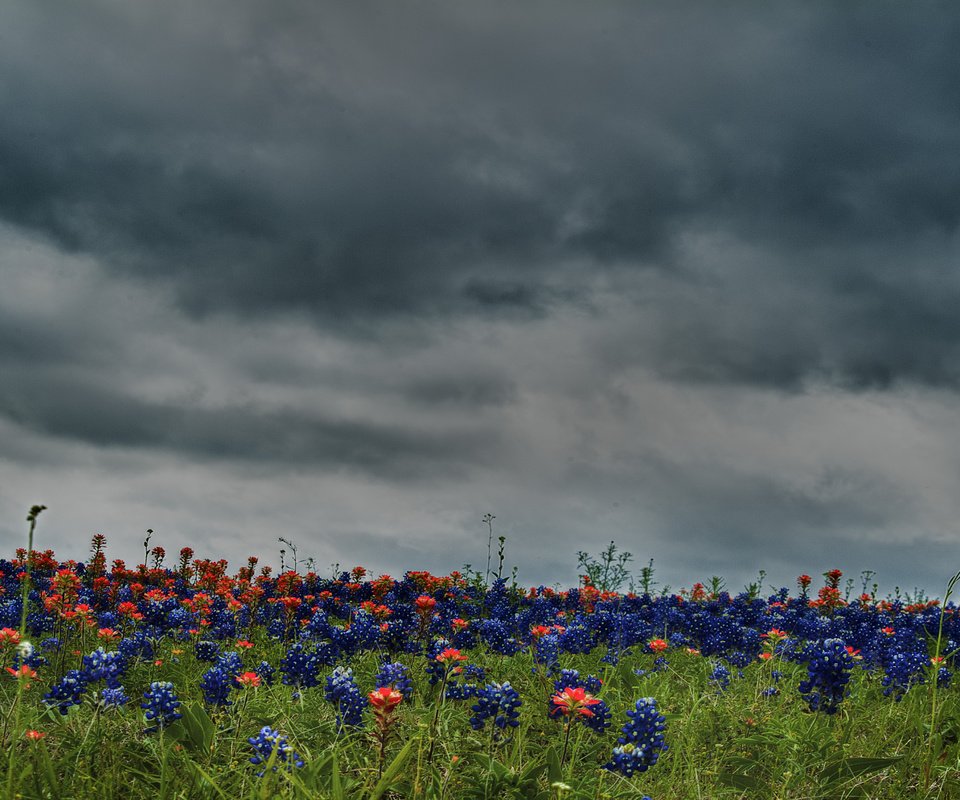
(679, 275)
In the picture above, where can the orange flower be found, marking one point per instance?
(657, 645)
(450, 654)
(384, 700)
(244, 644)
(107, 634)
(9, 636)
(248, 679)
(459, 624)
(425, 604)
(775, 633)
(766, 656)
(34, 736)
(24, 673)
(574, 700)
(888, 631)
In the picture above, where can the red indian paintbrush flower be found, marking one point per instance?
(425, 604)
(450, 654)
(657, 645)
(9, 636)
(248, 679)
(574, 700)
(384, 700)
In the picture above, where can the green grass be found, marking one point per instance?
(731, 744)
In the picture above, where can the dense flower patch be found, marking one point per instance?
(188, 647)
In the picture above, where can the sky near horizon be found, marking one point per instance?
(679, 275)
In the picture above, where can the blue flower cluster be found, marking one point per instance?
(343, 692)
(720, 677)
(68, 692)
(396, 676)
(160, 704)
(828, 672)
(114, 698)
(268, 742)
(300, 668)
(641, 742)
(499, 702)
(571, 678)
(216, 684)
(904, 670)
(205, 650)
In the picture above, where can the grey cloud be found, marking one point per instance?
(522, 252)
(291, 438)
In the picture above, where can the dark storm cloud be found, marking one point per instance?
(683, 272)
(290, 438)
(367, 161)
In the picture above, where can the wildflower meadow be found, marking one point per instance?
(187, 680)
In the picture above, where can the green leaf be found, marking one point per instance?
(847, 768)
(392, 771)
(554, 772)
(626, 678)
(738, 780)
(743, 766)
(533, 772)
(199, 728)
(211, 781)
(336, 785)
(49, 773)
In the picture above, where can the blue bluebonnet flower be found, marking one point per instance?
(578, 637)
(343, 692)
(641, 741)
(160, 704)
(498, 637)
(266, 672)
(108, 667)
(397, 676)
(740, 659)
(264, 745)
(547, 651)
(944, 676)
(136, 646)
(571, 677)
(230, 662)
(300, 667)
(114, 697)
(828, 672)
(68, 692)
(205, 650)
(904, 670)
(721, 677)
(457, 690)
(216, 684)
(600, 720)
(497, 701)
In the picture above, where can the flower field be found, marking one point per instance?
(189, 681)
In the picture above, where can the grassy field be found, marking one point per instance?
(193, 682)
